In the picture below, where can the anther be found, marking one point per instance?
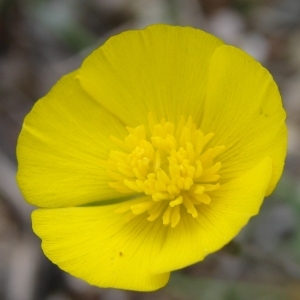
(170, 168)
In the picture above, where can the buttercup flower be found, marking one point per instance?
(151, 155)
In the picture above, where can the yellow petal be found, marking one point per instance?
(230, 209)
(161, 69)
(243, 108)
(61, 147)
(99, 246)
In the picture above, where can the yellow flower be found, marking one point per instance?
(151, 155)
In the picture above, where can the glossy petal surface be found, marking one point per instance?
(141, 71)
(100, 246)
(150, 156)
(63, 141)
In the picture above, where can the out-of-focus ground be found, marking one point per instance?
(41, 40)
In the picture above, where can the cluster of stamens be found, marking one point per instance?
(173, 168)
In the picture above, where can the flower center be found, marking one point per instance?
(171, 165)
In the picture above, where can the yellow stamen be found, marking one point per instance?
(173, 167)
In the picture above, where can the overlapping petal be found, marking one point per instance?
(210, 83)
(63, 141)
(66, 155)
(100, 246)
(108, 251)
(232, 207)
(243, 108)
(141, 71)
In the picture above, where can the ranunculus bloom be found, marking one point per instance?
(151, 155)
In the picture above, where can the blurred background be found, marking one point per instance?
(42, 40)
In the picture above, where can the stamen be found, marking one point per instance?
(141, 207)
(177, 201)
(190, 207)
(170, 167)
(175, 216)
(132, 185)
(166, 216)
(156, 212)
(157, 161)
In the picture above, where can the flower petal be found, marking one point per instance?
(99, 246)
(230, 209)
(161, 69)
(243, 108)
(63, 140)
